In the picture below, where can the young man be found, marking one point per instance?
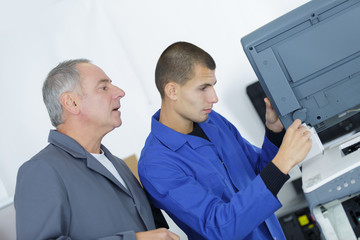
(198, 168)
(75, 188)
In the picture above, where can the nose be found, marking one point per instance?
(212, 96)
(118, 93)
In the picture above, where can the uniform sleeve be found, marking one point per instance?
(183, 197)
(258, 157)
(42, 207)
(273, 178)
(275, 138)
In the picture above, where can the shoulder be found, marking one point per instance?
(45, 156)
(154, 146)
(156, 153)
(51, 159)
(41, 172)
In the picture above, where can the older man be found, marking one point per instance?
(75, 188)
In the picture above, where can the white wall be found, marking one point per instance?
(125, 38)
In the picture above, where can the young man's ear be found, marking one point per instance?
(171, 90)
(69, 102)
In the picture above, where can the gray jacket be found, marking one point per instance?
(63, 192)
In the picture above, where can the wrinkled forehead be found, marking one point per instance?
(91, 75)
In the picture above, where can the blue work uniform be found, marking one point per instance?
(211, 189)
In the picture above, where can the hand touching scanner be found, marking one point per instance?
(317, 148)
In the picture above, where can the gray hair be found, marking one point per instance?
(63, 78)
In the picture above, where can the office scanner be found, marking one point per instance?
(308, 64)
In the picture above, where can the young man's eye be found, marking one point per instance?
(104, 88)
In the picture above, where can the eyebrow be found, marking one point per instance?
(208, 84)
(104, 81)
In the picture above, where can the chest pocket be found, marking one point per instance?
(213, 183)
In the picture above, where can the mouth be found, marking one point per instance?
(208, 110)
(116, 108)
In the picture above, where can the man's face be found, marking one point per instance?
(99, 99)
(197, 96)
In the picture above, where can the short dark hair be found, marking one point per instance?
(176, 64)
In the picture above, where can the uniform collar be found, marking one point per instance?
(72, 147)
(67, 144)
(173, 139)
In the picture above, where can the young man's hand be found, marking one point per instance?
(272, 121)
(158, 234)
(295, 146)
